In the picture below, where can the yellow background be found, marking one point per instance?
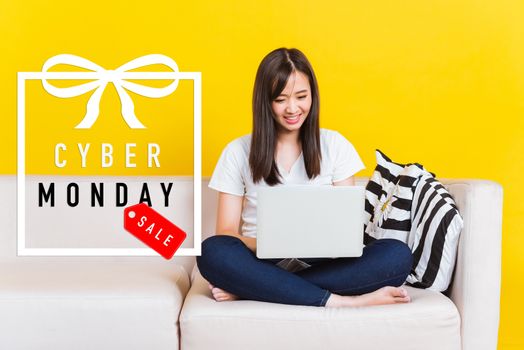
(435, 82)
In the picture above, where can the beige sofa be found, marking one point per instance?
(149, 303)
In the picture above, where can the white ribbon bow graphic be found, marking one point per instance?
(117, 77)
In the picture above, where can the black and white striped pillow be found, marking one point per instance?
(406, 202)
(389, 194)
(434, 235)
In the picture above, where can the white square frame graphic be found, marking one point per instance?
(22, 250)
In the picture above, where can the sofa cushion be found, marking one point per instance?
(430, 321)
(90, 305)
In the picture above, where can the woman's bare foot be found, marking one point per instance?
(382, 296)
(221, 295)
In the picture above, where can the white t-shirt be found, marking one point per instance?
(232, 174)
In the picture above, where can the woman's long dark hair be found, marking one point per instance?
(271, 79)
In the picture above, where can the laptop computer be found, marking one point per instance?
(310, 221)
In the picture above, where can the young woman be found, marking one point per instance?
(287, 147)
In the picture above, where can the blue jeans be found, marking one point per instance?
(227, 263)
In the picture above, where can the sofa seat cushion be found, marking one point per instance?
(90, 305)
(430, 321)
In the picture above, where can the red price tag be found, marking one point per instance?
(153, 229)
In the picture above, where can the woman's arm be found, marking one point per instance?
(228, 218)
(350, 181)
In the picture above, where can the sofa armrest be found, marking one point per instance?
(475, 287)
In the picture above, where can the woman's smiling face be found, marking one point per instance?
(292, 106)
